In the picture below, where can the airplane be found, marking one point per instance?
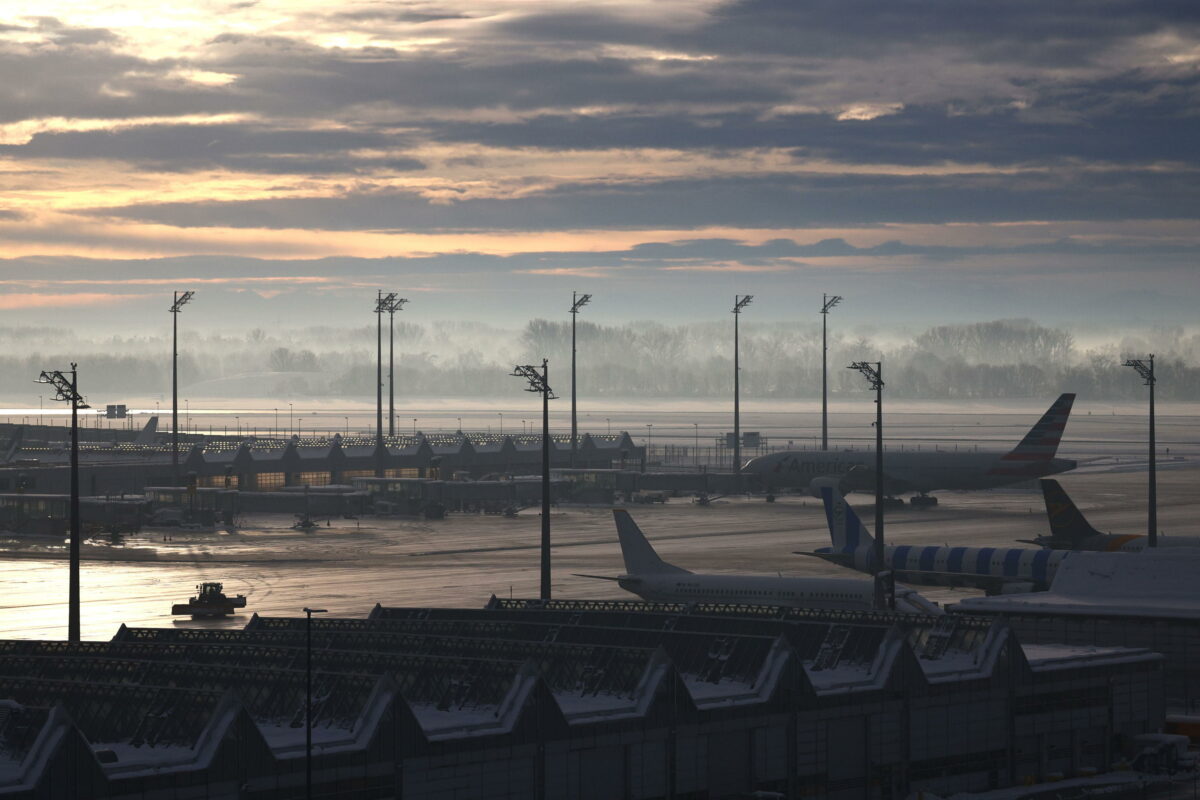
(654, 580)
(997, 570)
(1033, 457)
(1070, 530)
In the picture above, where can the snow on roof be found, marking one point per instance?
(1066, 656)
(456, 722)
(1148, 584)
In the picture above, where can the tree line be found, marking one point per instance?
(994, 359)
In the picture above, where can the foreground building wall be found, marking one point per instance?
(574, 700)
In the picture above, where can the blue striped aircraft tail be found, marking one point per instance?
(846, 530)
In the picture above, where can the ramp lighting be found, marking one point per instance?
(1145, 368)
(308, 612)
(829, 301)
(66, 390)
(181, 299)
(885, 587)
(396, 304)
(739, 303)
(382, 303)
(539, 382)
(578, 301)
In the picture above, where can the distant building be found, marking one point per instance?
(264, 464)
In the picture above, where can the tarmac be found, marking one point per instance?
(349, 565)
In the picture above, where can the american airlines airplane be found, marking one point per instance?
(998, 570)
(654, 580)
(1070, 530)
(924, 472)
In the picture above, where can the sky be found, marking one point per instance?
(928, 160)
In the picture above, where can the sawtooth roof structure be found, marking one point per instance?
(159, 707)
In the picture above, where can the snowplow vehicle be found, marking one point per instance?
(210, 601)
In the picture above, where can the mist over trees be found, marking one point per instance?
(985, 360)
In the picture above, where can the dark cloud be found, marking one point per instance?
(648, 257)
(249, 147)
(768, 202)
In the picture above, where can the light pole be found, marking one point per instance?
(459, 425)
(277, 422)
(347, 418)
(382, 302)
(394, 305)
(68, 391)
(308, 612)
(649, 427)
(885, 594)
(181, 300)
(501, 413)
(414, 426)
(739, 302)
(1145, 368)
(539, 382)
(187, 415)
(577, 302)
(608, 422)
(830, 300)
(696, 454)
(291, 424)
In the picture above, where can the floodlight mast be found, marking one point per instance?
(382, 302)
(66, 390)
(397, 304)
(885, 587)
(1145, 368)
(181, 299)
(577, 302)
(308, 675)
(829, 301)
(539, 382)
(739, 302)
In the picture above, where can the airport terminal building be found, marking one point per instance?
(266, 464)
(583, 699)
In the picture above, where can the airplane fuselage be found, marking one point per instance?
(824, 593)
(904, 471)
(1122, 543)
(754, 589)
(936, 565)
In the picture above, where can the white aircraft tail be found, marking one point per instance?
(846, 530)
(148, 434)
(640, 558)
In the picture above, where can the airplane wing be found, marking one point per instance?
(989, 583)
(843, 559)
(607, 577)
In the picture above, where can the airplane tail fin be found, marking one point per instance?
(1067, 523)
(147, 434)
(1041, 443)
(640, 558)
(846, 530)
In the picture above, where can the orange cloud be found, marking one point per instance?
(571, 272)
(23, 300)
(732, 267)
